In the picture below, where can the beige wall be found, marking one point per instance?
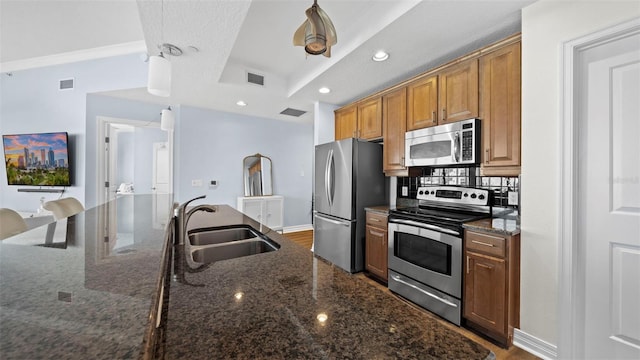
(546, 25)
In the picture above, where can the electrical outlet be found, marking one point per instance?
(405, 191)
(513, 198)
(196, 182)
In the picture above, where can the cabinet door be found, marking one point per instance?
(253, 209)
(346, 122)
(394, 118)
(459, 92)
(376, 252)
(370, 119)
(422, 108)
(485, 292)
(500, 105)
(273, 212)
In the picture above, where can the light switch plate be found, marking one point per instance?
(405, 191)
(513, 198)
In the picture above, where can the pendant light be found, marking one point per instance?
(167, 119)
(317, 34)
(159, 79)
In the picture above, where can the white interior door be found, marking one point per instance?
(161, 172)
(608, 206)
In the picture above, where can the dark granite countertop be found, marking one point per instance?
(269, 305)
(495, 225)
(381, 209)
(87, 292)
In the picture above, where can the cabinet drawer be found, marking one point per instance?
(485, 243)
(377, 220)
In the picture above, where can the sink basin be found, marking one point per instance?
(222, 235)
(234, 249)
(208, 245)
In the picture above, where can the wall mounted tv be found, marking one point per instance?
(37, 159)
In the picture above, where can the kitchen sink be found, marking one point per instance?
(233, 250)
(222, 235)
(228, 242)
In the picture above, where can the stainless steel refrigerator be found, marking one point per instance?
(348, 177)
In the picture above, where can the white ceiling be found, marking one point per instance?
(224, 39)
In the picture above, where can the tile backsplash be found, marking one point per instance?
(461, 176)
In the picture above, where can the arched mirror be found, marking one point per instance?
(257, 175)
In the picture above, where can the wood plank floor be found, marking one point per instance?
(305, 239)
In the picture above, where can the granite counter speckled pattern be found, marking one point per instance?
(91, 296)
(282, 294)
(501, 226)
(382, 209)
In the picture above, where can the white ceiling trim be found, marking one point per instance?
(75, 56)
(338, 53)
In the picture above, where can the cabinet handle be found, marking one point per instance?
(377, 233)
(482, 243)
(435, 120)
(488, 153)
(444, 114)
(403, 165)
(374, 219)
(484, 266)
(467, 264)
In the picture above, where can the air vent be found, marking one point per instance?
(255, 79)
(66, 84)
(292, 112)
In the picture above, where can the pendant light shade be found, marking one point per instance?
(159, 81)
(317, 34)
(167, 119)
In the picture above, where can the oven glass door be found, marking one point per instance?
(430, 257)
(423, 252)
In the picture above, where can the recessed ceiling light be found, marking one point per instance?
(380, 56)
(324, 90)
(241, 103)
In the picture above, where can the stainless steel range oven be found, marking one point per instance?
(425, 246)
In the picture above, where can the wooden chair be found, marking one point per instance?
(11, 223)
(63, 208)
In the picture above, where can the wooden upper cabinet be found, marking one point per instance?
(394, 120)
(346, 122)
(458, 92)
(422, 107)
(370, 119)
(500, 110)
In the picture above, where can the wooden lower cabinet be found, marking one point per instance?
(376, 243)
(492, 284)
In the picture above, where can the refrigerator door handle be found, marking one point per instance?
(343, 223)
(330, 180)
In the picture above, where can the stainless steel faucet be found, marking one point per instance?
(182, 217)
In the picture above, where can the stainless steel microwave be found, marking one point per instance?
(456, 143)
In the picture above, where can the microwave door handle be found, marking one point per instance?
(456, 147)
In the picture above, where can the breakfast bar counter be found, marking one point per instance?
(88, 291)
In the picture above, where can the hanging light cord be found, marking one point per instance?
(161, 26)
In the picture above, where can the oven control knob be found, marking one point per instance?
(466, 195)
(473, 196)
(481, 197)
(421, 192)
(433, 192)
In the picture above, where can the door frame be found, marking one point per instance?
(102, 121)
(571, 304)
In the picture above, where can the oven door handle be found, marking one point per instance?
(427, 226)
(398, 279)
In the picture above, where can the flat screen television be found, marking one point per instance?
(37, 159)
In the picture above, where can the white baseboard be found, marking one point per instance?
(535, 346)
(296, 228)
